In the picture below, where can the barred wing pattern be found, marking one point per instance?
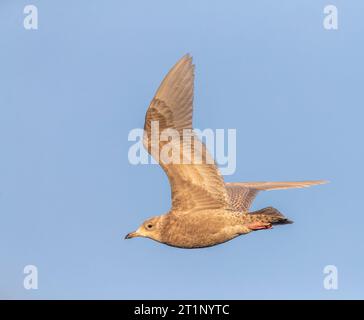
(198, 185)
(242, 194)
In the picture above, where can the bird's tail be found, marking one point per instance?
(270, 215)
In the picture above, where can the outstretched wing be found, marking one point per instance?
(195, 181)
(242, 194)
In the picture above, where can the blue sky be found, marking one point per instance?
(71, 91)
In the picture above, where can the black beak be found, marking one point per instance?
(131, 235)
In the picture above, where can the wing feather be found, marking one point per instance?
(195, 185)
(242, 194)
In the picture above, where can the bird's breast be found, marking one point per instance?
(199, 230)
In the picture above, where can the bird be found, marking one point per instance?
(205, 210)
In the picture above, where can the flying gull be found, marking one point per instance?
(205, 210)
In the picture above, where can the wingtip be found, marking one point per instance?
(310, 183)
(318, 182)
(187, 57)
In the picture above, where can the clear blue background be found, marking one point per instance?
(71, 91)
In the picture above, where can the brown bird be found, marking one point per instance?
(205, 210)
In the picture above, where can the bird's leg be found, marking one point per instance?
(258, 225)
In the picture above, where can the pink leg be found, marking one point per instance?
(259, 226)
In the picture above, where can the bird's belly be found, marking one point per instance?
(199, 234)
(200, 241)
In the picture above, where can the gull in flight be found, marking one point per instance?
(205, 210)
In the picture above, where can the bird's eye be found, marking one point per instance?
(149, 226)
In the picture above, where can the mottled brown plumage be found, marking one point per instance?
(205, 210)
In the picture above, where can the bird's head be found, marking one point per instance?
(150, 228)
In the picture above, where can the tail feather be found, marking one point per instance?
(270, 215)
